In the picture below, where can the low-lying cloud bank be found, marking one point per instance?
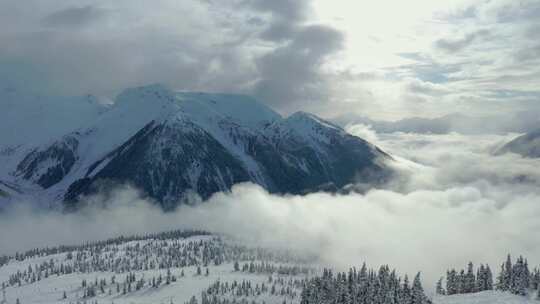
(453, 202)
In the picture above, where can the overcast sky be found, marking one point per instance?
(384, 59)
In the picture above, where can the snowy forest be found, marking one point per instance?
(514, 277)
(224, 271)
(364, 286)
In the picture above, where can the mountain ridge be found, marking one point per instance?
(170, 144)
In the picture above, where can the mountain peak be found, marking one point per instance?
(170, 143)
(154, 93)
(243, 109)
(302, 118)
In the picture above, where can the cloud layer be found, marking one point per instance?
(453, 203)
(329, 57)
(268, 49)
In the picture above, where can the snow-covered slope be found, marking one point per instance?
(170, 144)
(30, 122)
(175, 266)
(527, 145)
(170, 268)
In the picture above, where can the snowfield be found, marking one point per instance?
(51, 290)
(186, 281)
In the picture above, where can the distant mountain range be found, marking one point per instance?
(171, 145)
(519, 123)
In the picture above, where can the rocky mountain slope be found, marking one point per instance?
(173, 144)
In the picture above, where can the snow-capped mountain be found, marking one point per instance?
(171, 144)
(527, 145)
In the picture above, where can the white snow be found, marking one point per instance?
(485, 297)
(242, 109)
(51, 289)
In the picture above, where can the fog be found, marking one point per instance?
(451, 201)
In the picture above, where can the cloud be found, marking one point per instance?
(452, 203)
(456, 45)
(520, 11)
(427, 88)
(291, 73)
(250, 46)
(363, 131)
(293, 55)
(74, 16)
(284, 10)
(528, 54)
(465, 48)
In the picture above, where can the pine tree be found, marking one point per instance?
(451, 282)
(417, 291)
(469, 282)
(500, 285)
(405, 295)
(480, 278)
(439, 288)
(520, 278)
(508, 274)
(460, 286)
(489, 278)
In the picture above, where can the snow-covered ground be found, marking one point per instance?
(173, 269)
(51, 290)
(485, 297)
(187, 282)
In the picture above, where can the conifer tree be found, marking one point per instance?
(469, 282)
(417, 291)
(508, 274)
(489, 278)
(439, 289)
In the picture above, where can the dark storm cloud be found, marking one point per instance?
(194, 45)
(289, 76)
(74, 16)
(291, 73)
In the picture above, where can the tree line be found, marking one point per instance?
(365, 286)
(514, 277)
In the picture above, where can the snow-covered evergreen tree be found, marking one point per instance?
(440, 289)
